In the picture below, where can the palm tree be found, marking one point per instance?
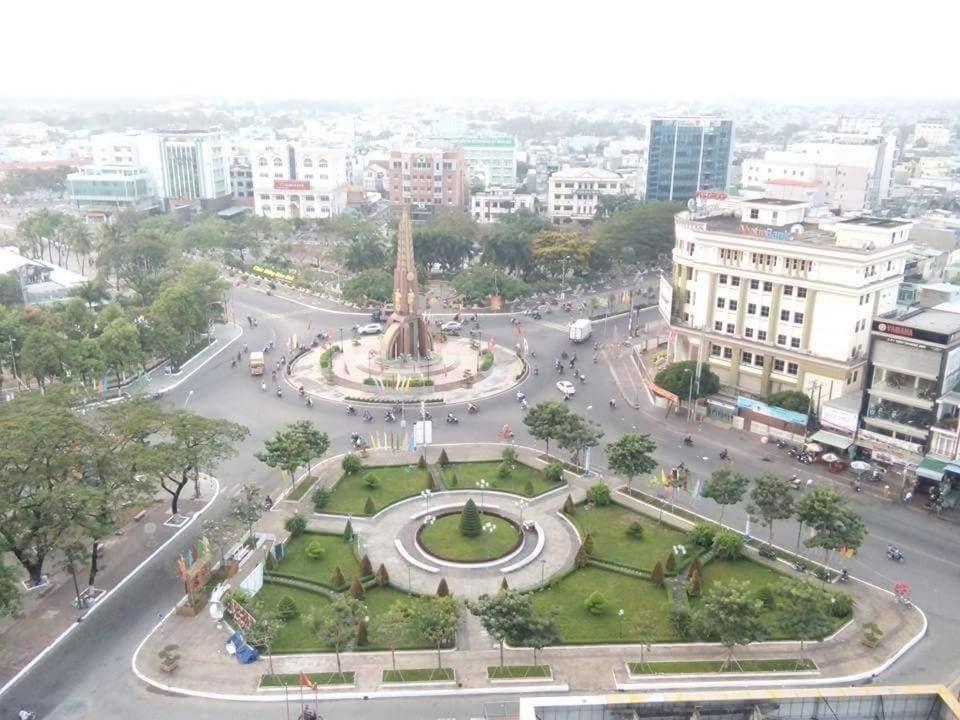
(77, 238)
(91, 292)
(110, 241)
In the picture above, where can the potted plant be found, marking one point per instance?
(871, 635)
(169, 658)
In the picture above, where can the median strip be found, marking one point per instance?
(703, 667)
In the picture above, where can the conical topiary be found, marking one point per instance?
(504, 585)
(580, 561)
(588, 543)
(470, 525)
(362, 638)
(443, 459)
(695, 584)
(442, 589)
(369, 507)
(568, 508)
(454, 480)
(337, 580)
(656, 576)
(528, 488)
(366, 567)
(287, 608)
(348, 532)
(422, 462)
(382, 578)
(671, 564)
(356, 589)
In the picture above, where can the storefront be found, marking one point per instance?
(836, 442)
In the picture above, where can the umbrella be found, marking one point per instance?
(814, 448)
(860, 465)
(830, 458)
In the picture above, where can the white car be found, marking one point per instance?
(566, 387)
(370, 329)
(452, 326)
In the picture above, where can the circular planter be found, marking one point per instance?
(453, 518)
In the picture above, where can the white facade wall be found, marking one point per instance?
(294, 180)
(936, 134)
(843, 187)
(573, 193)
(490, 207)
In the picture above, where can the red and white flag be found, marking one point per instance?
(305, 681)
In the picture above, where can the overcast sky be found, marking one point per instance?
(512, 49)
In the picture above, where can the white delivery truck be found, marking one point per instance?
(581, 330)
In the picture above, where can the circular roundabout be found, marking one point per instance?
(468, 536)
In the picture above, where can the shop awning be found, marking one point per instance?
(825, 437)
(931, 469)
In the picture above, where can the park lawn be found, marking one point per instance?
(638, 598)
(301, 488)
(296, 563)
(419, 675)
(396, 483)
(513, 672)
(293, 679)
(608, 526)
(469, 473)
(296, 636)
(702, 667)
(444, 539)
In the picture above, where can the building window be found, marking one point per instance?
(727, 353)
(788, 289)
(795, 342)
(754, 284)
(307, 162)
(746, 358)
(781, 339)
(798, 318)
(784, 315)
(731, 328)
(264, 197)
(718, 326)
(856, 375)
(762, 335)
(801, 292)
(715, 350)
(733, 304)
(262, 162)
(735, 280)
(764, 311)
(721, 303)
(754, 214)
(722, 279)
(792, 368)
(751, 308)
(278, 162)
(768, 286)
(778, 366)
(748, 332)
(309, 198)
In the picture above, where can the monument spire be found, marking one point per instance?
(405, 286)
(406, 334)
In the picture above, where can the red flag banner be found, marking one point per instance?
(305, 681)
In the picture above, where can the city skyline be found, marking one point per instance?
(742, 50)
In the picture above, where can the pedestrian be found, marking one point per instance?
(886, 491)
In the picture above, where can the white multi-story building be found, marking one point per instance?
(491, 160)
(936, 133)
(773, 302)
(794, 176)
(296, 180)
(492, 205)
(573, 193)
(876, 153)
(104, 190)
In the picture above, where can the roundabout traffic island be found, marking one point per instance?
(468, 536)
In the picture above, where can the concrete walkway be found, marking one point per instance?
(208, 671)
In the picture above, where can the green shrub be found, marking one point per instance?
(504, 470)
(369, 507)
(443, 459)
(356, 589)
(337, 580)
(728, 544)
(315, 550)
(588, 543)
(422, 462)
(635, 531)
(371, 480)
(320, 497)
(580, 560)
(599, 494)
(348, 531)
(656, 575)
(366, 567)
(486, 360)
(296, 525)
(841, 605)
(454, 481)
(287, 608)
(767, 597)
(670, 566)
(553, 472)
(702, 534)
(509, 455)
(596, 603)
(470, 524)
(695, 584)
(680, 622)
(351, 464)
(528, 488)
(326, 357)
(568, 507)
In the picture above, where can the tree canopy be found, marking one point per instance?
(770, 500)
(631, 455)
(676, 378)
(790, 400)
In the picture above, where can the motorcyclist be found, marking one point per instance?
(523, 405)
(613, 404)
(687, 440)
(26, 714)
(536, 369)
(279, 392)
(263, 386)
(520, 396)
(351, 410)
(472, 408)
(724, 454)
(308, 402)
(301, 391)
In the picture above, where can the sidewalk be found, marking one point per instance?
(48, 611)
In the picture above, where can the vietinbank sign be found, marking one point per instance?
(764, 232)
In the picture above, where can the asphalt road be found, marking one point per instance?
(88, 675)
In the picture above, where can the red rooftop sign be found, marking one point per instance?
(291, 184)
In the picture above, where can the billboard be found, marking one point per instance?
(666, 299)
(291, 184)
(839, 418)
(787, 416)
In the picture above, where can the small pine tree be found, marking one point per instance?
(671, 564)
(568, 508)
(504, 585)
(443, 459)
(348, 532)
(431, 483)
(287, 608)
(528, 488)
(366, 568)
(580, 561)
(454, 480)
(337, 580)
(656, 576)
(356, 589)
(422, 462)
(470, 525)
(369, 507)
(695, 584)
(696, 565)
(442, 589)
(362, 639)
(382, 578)
(504, 470)
(588, 543)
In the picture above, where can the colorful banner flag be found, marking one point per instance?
(698, 487)
(305, 681)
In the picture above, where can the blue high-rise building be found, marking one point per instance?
(687, 154)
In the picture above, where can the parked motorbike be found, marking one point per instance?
(389, 417)
(472, 409)
(894, 553)
(688, 441)
(452, 419)
(724, 455)
(367, 417)
(308, 402)
(351, 410)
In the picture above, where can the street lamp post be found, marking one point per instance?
(425, 494)
(479, 348)
(488, 529)
(620, 619)
(522, 505)
(689, 393)
(482, 485)
(341, 339)
(543, 568)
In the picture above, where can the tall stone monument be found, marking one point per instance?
(406, 334)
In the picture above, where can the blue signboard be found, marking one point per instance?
(788, 416)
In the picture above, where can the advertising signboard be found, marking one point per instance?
(291, 184)
(665, 299)
(788, 416)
